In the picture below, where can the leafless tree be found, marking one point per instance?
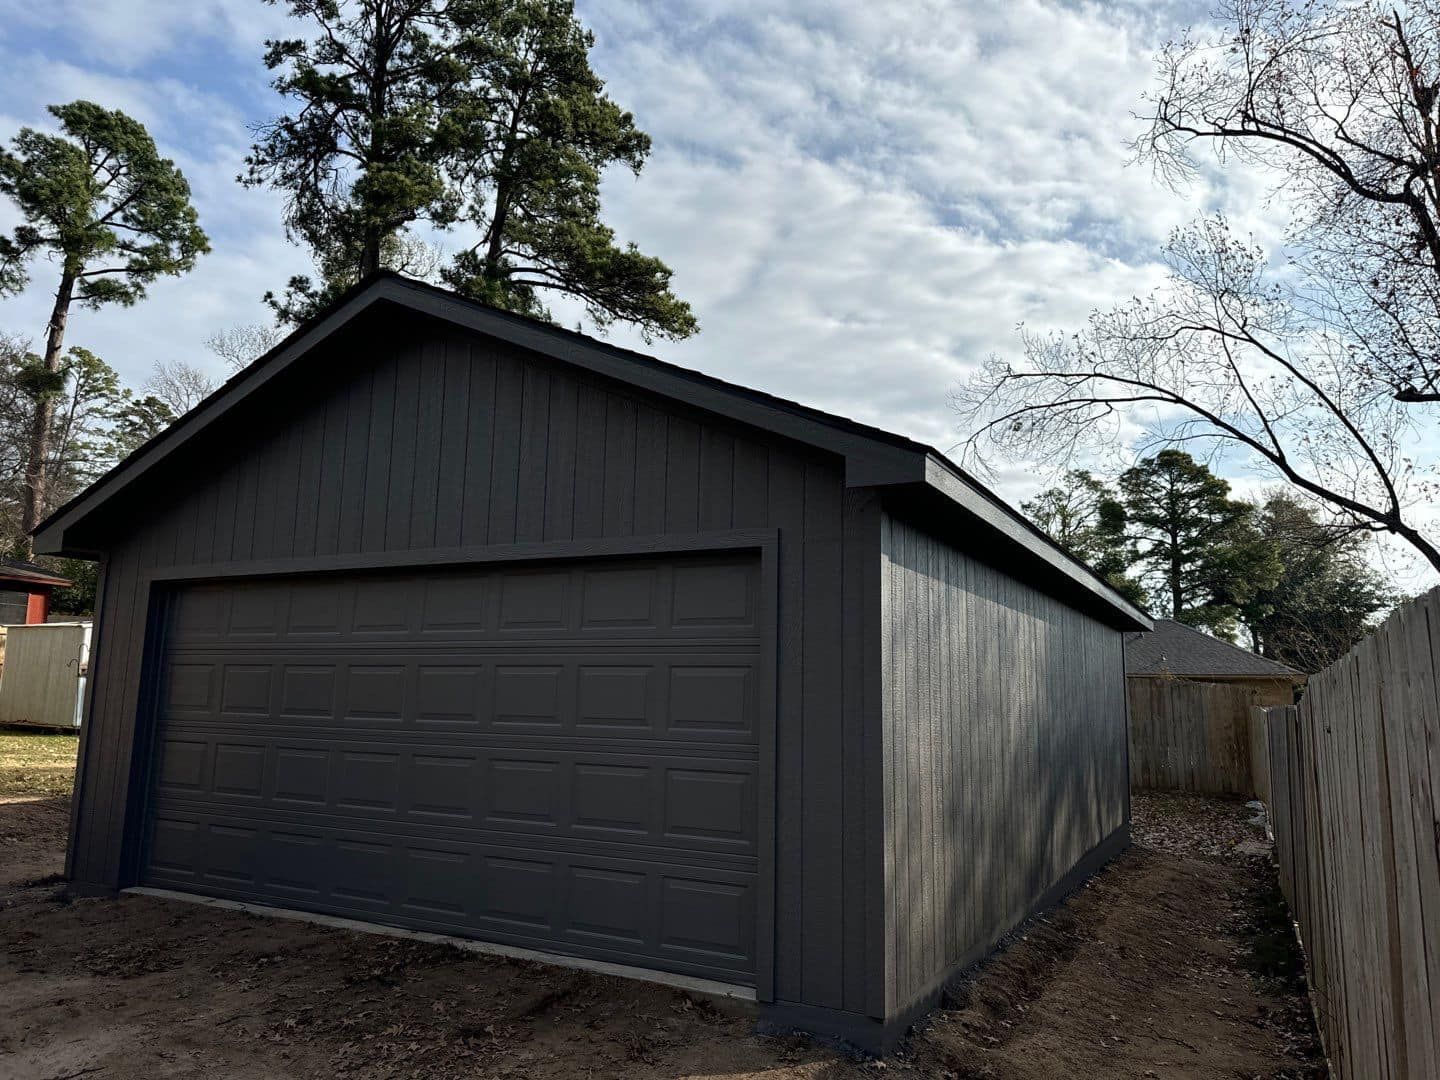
(1341, 100)
(240, 346)
(179, 385)
(1217, 357)
(1322, 366)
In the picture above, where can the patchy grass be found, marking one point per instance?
(35, 764)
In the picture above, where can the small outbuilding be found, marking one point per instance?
(444, 618)
(1192, 699)
(1176, 651)
(25, 591)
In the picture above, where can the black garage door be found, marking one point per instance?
(560, 756)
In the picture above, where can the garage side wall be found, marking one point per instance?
(412, 436)
(1004, 754)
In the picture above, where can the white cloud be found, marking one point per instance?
(862, 201)
(125, 35)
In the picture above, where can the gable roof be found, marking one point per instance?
(27, 573)
(873, 457)
(1173, 648)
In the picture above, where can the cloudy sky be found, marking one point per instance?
(861, 200)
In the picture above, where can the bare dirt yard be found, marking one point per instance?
(1176, 961)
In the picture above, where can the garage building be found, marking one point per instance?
(444, 618)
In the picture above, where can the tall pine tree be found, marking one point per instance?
(1194, 549)
(438, 112)
(113, 216)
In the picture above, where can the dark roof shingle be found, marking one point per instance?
(1173, 648)
(29, 573)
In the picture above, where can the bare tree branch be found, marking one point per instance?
(1216, 356)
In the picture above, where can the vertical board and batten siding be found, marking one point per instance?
(419, 436)
(1354, 796)
(1004, 749)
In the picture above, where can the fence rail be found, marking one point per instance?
(1353, 773)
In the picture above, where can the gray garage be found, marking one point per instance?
(444, 618)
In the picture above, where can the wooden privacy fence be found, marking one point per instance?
(1190, 736)
(1353, 775)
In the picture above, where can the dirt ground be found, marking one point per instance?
(1175, 962)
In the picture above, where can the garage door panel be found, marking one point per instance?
(623, 598)
(246, 689)
(706, 598)
(181, 846)
(645, 693)
(450, 693)
(711, 920)
(301, 776)
(318, 612)
(675, 800)
(714, 597)
(294, 861)
(520, 892)
(239, 770)
(556, 755)
(183, 764)
(198, 614)
(188, 687)
(693, 918)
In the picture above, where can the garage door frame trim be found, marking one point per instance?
(160, 583)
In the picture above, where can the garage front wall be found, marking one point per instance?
(405, 436)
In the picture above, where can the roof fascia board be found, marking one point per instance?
(38, 580)
(868, 460)
(50, 539)
(943, 477)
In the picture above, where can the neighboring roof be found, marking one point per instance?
(873, 457)
(1173, 648)
(28, 573)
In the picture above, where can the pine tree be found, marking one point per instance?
(441, 112)
(1194, 548)
(1083, 515)
(114, 215)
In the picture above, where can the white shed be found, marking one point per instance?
(43, 681)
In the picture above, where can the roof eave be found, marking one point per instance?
(51, 536)
(945, 477)
(869, 457)
(872, 457)
(41, 581)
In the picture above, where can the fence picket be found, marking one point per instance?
(1352, 779)
(1191, 736)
